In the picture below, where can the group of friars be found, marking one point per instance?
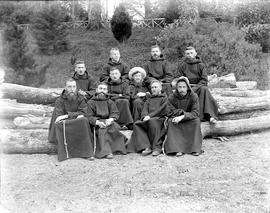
(163, 109)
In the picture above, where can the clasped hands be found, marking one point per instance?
(104, 124)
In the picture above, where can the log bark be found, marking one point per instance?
(239, 93)
(11, 109)
(32, 95)
(25, 94)
(35, 141)
(226, 81)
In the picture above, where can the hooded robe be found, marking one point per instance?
(195, 71)
(185, 136)
(109, 139)
(73, 136)
(121, 65)
(85, 83)
(158, 69)
(136, 101)
(150, 133)
(119, 92)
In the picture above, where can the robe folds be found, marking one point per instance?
(150, 133)
(86, 83)
(195, 71)
(136, 101)
(158, 69)
(185, 136)
(119, 92)
(106, 140)
(74, 139)
(77, 133)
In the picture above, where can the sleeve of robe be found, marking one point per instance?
(167, 71)
(161, 110)
(91, 112)
(91, 88)
(59, 107)
(114, 113)
(194, 113)
(82, 109)
(105, 74)
(172, 111)
(203, 74)
(126, 69)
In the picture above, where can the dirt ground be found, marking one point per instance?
(230, 176)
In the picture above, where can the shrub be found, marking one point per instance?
(222, 47)
(49, 32)
(23, 70)
(121, 24)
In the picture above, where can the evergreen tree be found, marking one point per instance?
(121, 24)
(24, 69)
(50, 33)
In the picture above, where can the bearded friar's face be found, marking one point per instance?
(182, 88)
(102, 89)
(71, 89)
(190, 53)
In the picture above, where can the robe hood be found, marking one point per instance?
(76, 76)
(195, 60)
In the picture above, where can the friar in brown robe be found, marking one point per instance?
(119, 92)
(116, 61)
(102, 114)
(139, 91)
(157, 68)
(184, 130)
(85, 83)
(149, 132)
(69, 128)
(193, 68)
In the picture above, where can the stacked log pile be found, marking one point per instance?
(26, 112)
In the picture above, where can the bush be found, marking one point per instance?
(222, 47)
(253, 13)
(121, 24)
(49, 32)
(23, 70)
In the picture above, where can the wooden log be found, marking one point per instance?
(11, 109)
(31, 95)
(246, 85)
(240, 104)
(226, 81)
(239, 93)
(35, 141)
(243, 115)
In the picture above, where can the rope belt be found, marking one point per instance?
(95, 141)
(163, 143)
(65, 140)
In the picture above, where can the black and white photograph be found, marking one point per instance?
(135, 106)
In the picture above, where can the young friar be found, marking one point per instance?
(139, 91)
(115, 61)
(184, 130)
(85, 83)
(69, 127)
(194, 69)
(102, 114)
(149, 132)
(119, 92)
(157, 68)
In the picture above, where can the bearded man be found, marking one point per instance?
(69, 128)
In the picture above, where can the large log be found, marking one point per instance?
(11, 109)
(35, 141)
(226, 81)
(31, 95)
(25, 94)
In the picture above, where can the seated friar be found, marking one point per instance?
(69, 128)
(195, 70)
(139, 91)
(119, 92)
(183, 128)
(102, 114)
(149, 132)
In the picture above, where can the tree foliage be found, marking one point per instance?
(221, 46)
(121, 24)
(49, 32)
